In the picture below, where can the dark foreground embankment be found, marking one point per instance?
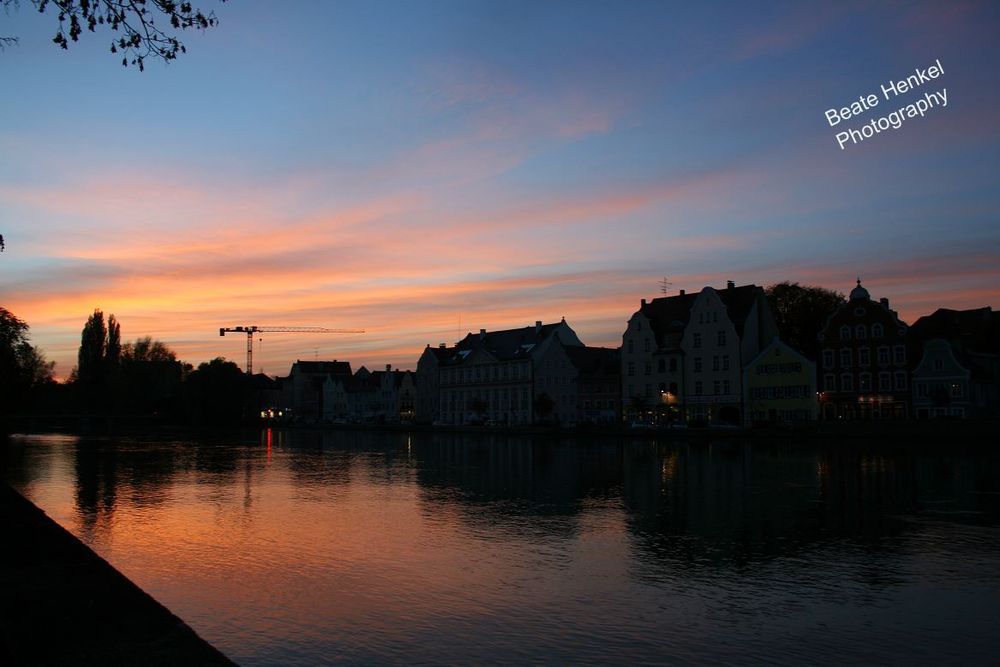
(62, 604)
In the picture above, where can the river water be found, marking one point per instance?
(309, 548)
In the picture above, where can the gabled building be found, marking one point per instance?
(303, 388)
(957, 372)
(489, 377)
(779, 387)
(683, 356)
(428, 402)
(864, 361)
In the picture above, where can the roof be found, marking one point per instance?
(508, 343)
(323, 367)
(975, 330)
(671, 313)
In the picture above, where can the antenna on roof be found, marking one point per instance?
(664, 285)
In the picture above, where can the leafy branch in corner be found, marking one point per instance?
(139, 25)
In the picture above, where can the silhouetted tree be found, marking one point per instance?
(216, 393)
(23, 367)
(149, 379)
(801, 312)
(138, 25)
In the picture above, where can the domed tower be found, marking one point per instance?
(859, 292)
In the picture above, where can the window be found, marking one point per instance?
(899, 354)
(721, 338)
(697, 388)
(846, 382)
(860, 332)
(648, 368)
(631, 368)
(883, 355)
(697, 339)
(697, 364)
(725, 362)
(673, 365)
(715, 362)
(865, 382)
(877, 331)
(884, 381)
(845, 333)
(726, 386)
(827, 358)
(661, 366)
(901, 381)
(845, 358)
(716, 385)
(631, 346)
(957, 391)
(864, 356)
(939, 364)
(829, 382)
(645, 344)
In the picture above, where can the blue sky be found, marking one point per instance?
(424, 169)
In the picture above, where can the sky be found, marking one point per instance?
(421, 170)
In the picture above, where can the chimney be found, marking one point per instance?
(644, 302)
(442, 346)
(388, 368)
(730, 284)
(538, 326)
(683, 292)
(885, 302)
(482, 334)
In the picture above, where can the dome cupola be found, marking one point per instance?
(860, 292)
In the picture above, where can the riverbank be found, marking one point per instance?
(62, 604)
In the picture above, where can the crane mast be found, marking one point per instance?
(251, 330)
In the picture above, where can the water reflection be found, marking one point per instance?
(358, 546)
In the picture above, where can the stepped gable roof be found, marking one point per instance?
(508, 343)
(594, 360)
(975, 330)
(739, 302)
(671, 313)
(326, 367)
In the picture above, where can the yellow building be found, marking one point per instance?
(780, 386)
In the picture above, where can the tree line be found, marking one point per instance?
(141, 378)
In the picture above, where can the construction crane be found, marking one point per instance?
(251, 330)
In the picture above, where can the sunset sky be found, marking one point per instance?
(424, 169)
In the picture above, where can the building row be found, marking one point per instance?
(709, 357)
